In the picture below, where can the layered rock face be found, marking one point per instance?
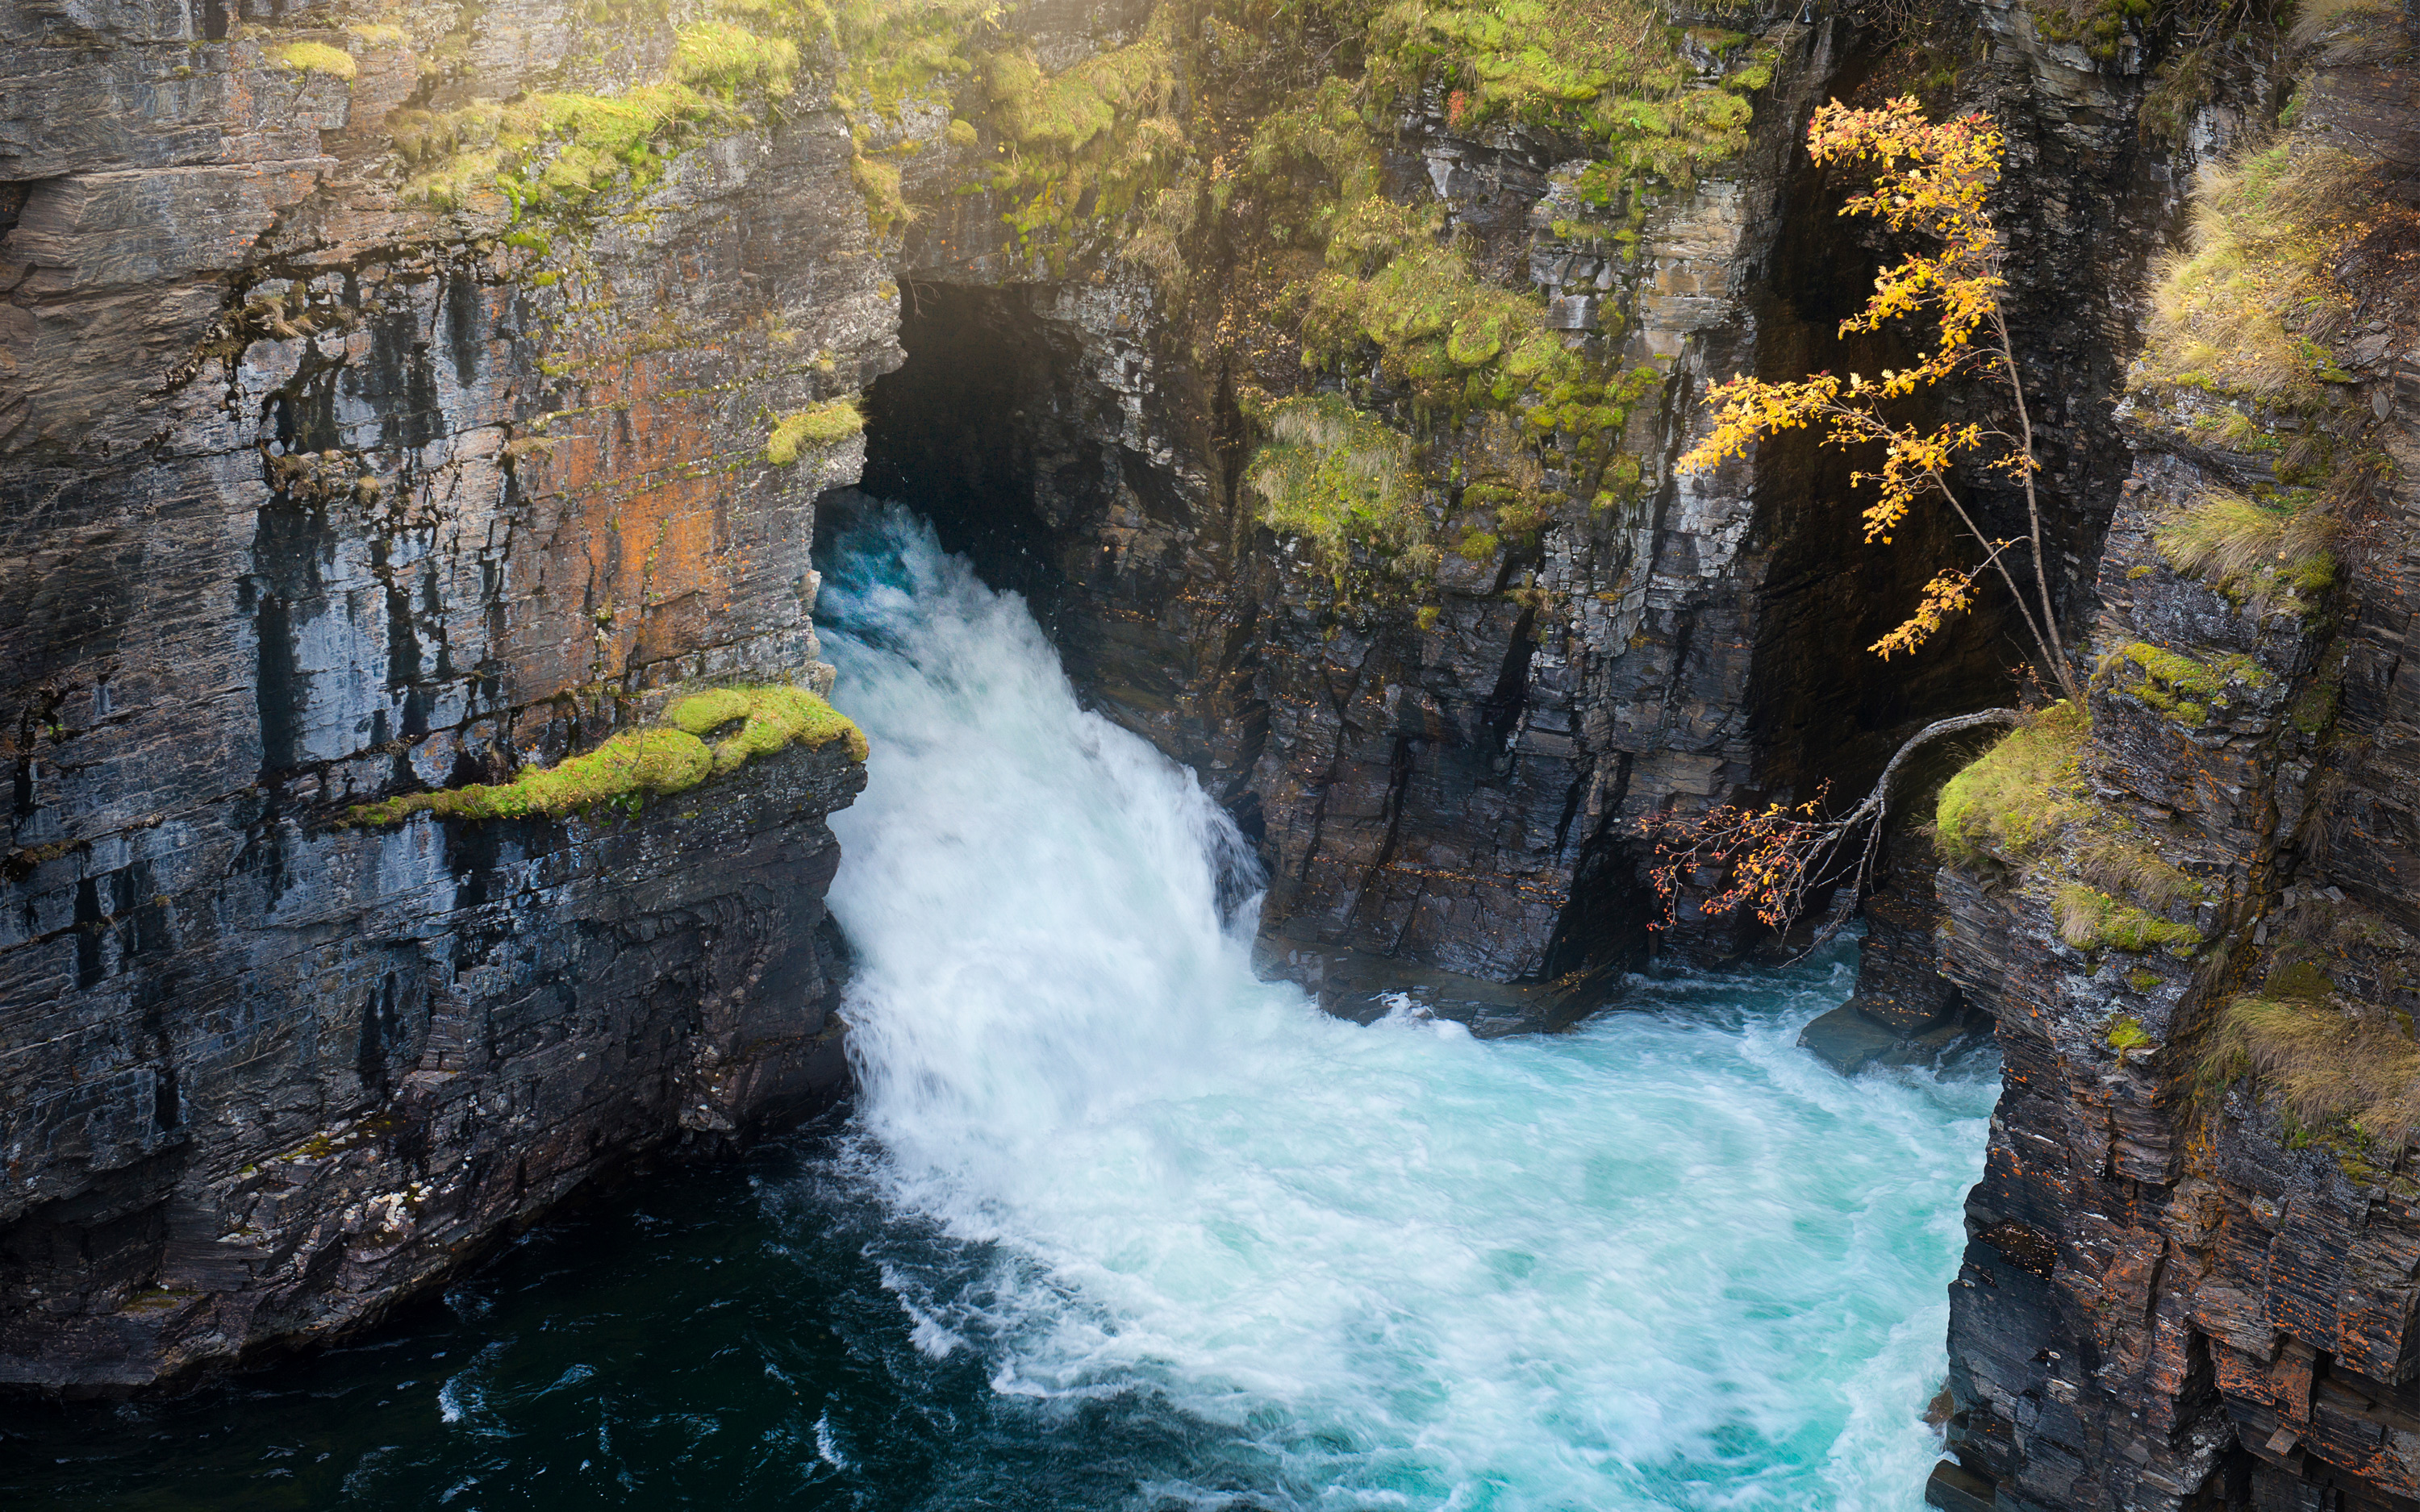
(315, 493)
(2191, 1280)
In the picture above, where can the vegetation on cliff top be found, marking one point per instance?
(668, 758)
(1108, 155)
(2296, 243)
(556, 151)
(2016, 800)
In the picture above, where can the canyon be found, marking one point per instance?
(404, 400)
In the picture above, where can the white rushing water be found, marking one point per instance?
(1664, 1260)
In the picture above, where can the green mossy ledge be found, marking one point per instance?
(672, 756)
(822, 425)
(2018, 799)
(2090, 920)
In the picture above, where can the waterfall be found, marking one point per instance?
(1664, 1261)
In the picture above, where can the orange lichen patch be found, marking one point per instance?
(640, 481)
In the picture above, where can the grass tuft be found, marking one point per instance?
(2244, 310)
(2131, 869)
(2257, 557)
(2327, 1068)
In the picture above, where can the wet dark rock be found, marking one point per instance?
(314, 495)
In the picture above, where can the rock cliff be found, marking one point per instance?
(414, 417)
(2192, 1276)
(331, 477)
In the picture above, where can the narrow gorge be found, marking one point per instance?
(638, 635)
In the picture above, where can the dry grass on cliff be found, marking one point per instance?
(2254, 308)
(2256, 556)
(2325, 1065)
(2132, 869)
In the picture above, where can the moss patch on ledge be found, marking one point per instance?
(2090, 920)
(2180, 686)
(672, 756)
(316, 57)
(2016, 801)
(828, 424)
(1338, 477)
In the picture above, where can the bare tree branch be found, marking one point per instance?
(1772, 859)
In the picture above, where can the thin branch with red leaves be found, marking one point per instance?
(1772, 860)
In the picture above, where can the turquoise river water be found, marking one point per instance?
(1113, 1224)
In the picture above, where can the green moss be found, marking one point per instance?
(2020, 797)
(825, 424)
(2097, 26)
(2142, 981)
(2090, 920)
(765, 719)
(2125, 1032)
(670, 757)
(2314, 709)
(315, 57)
(552, 152)
(1609, 70)
(1337, 477)
(2183, 688)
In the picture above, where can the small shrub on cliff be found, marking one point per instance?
(825, 424)
(2019, 798)
(1933, 183)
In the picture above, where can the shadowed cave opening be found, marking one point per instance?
(965, 430)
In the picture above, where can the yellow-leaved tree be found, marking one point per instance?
(1932, 182)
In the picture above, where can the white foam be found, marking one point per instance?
(1664, 1260)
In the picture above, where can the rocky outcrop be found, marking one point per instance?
(339, 465)
(2191, 1275)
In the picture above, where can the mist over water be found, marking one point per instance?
(1113, 1224)
(1666, 1260)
